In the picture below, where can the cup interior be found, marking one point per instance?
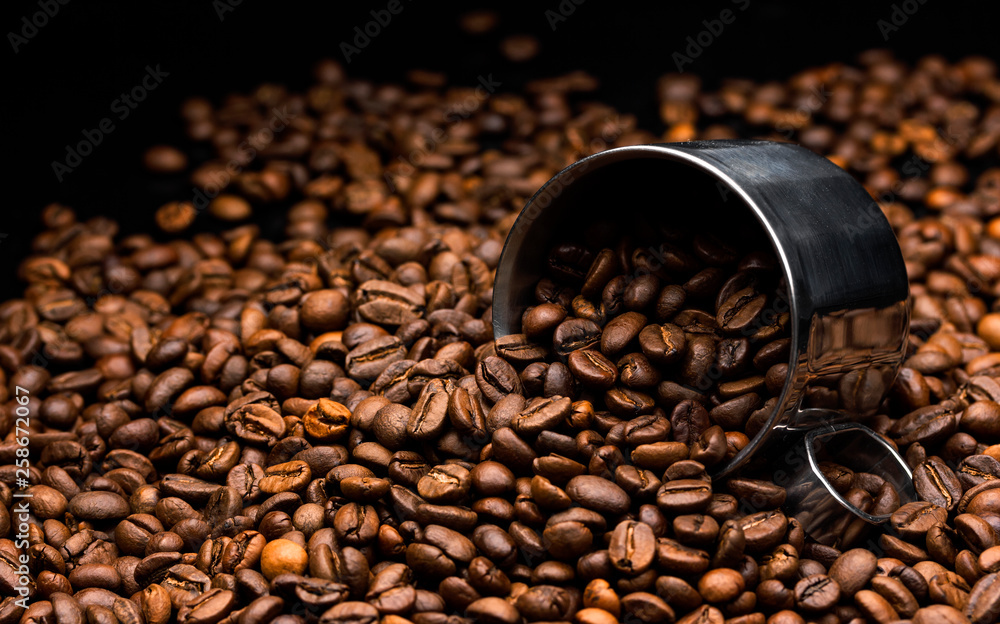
(598, 201)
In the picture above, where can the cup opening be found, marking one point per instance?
(650, 194)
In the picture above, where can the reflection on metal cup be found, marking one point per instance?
(819, 473)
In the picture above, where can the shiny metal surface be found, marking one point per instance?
(846, 283)
(821, 507)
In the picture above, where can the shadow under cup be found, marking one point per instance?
(845, 284)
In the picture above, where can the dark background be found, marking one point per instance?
(64, 79)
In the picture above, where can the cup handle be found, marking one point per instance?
(821, 506)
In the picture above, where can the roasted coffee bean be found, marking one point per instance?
(936, 483)
(592, 368)
(815, 593)
(326, 421)
(98, 506)
(720, 585)
(541, 415)
(680, 559)
(684, 496)
(621, 331)
(763, 530)
(496, 378)
(573, 334)
(632, 548)
(597, 494)
(663, 344)
(976, 469)
(914, 519)
(257, 424)
(447, 483)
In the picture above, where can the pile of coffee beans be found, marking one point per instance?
(689, 326)
(249, 427)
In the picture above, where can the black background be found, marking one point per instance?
(65, 78)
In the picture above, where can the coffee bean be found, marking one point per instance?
(632, 547)
(366, 361)
(914, 519)
(541, 415)
(976, 532)
(597, 494)
(936, 483)
(678, 558)
(763, 530)
(518, 349)
(573, 334)
(496, 378)
(875, 606)
(98, 506)
(592, 368)
(818, 592)
(257, 424)
(721, 585)
(976, 469)
(447, 483)
(326, 421)
(684, 496)
(210, 607)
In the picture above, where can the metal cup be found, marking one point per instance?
(846, 284)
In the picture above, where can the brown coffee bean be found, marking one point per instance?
(663, 344)
(573, 334)
(541, 415)
(914, 519)
(853, 569)
(447, 483)
(976, 469)
(256, 423)
(598, 494)
(98, 506)
(684, 496)
(632, 547)
(592, 368)
(720, 585)
(936, 483)
(976, 532)
(818, 592)
(208, 608)
(326, 421)
(875, 606)
(981, 419)
(621, 331)
(493, 609)
(680, 559)
(496, 378)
